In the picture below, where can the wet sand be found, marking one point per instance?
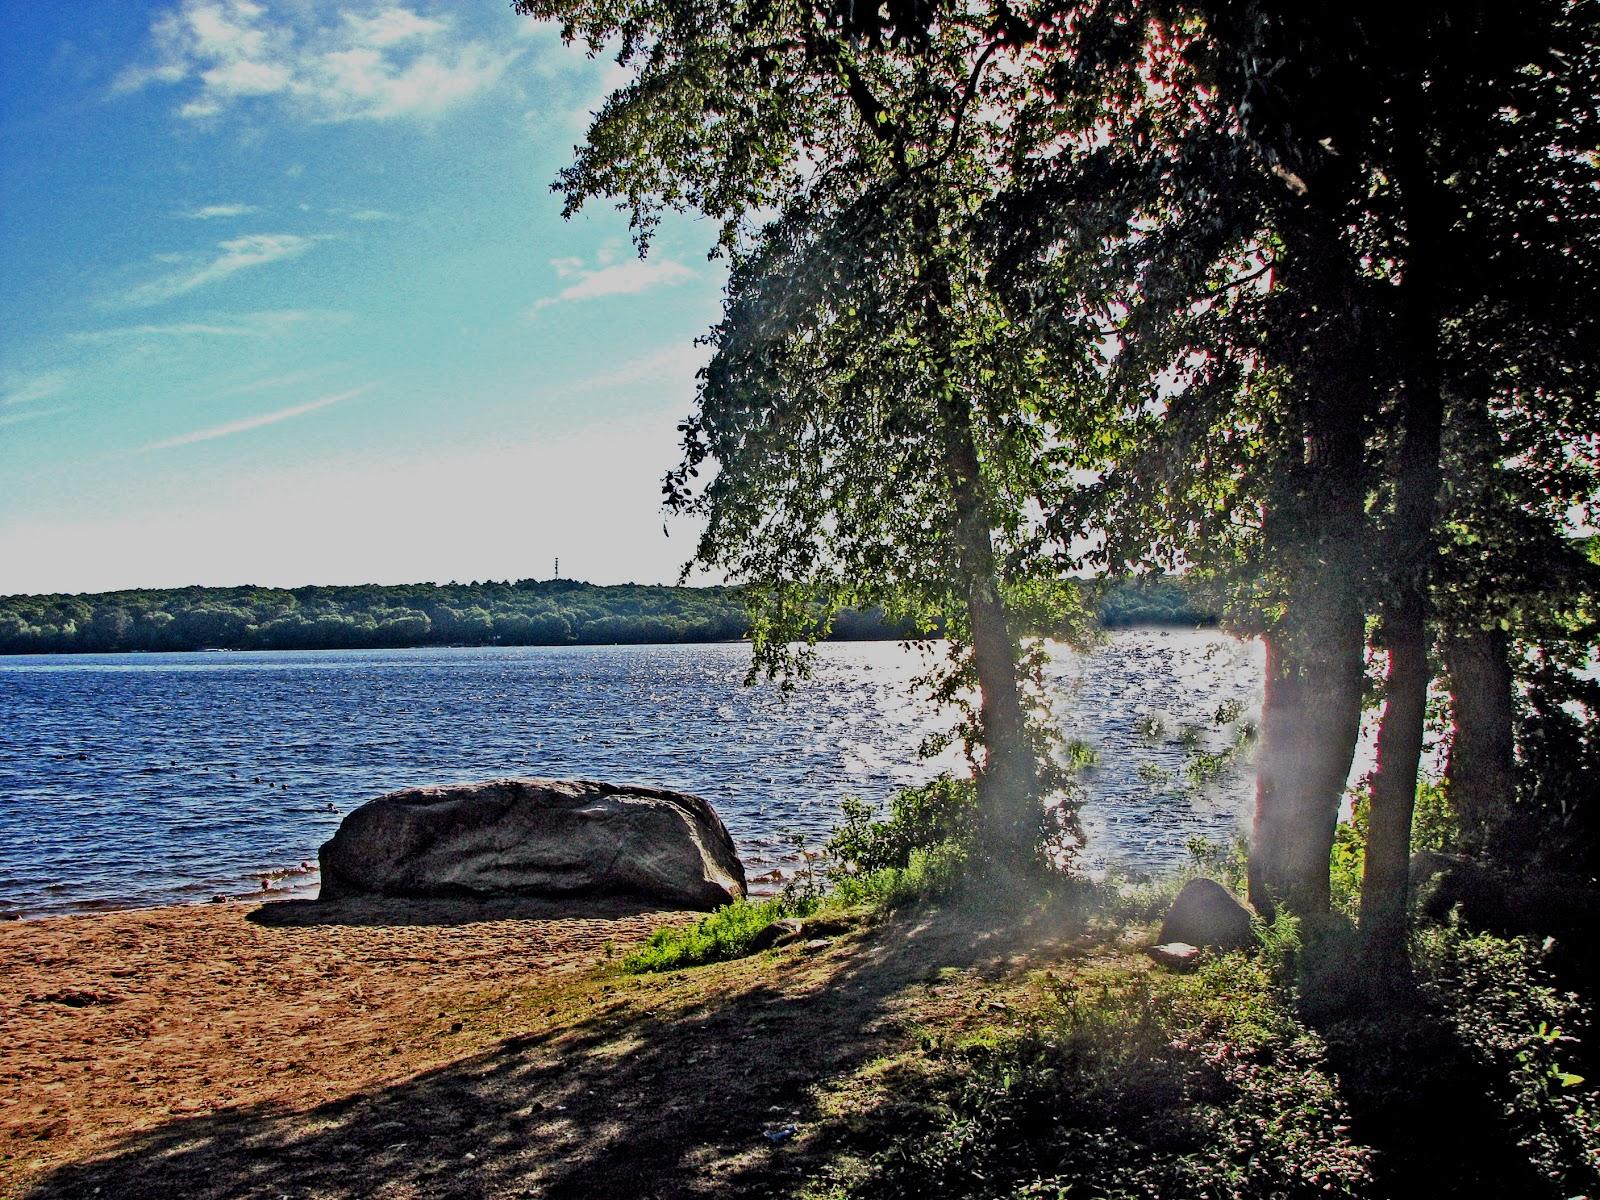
(115, 1022)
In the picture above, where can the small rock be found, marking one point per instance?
(1179, 956)
(777, 934)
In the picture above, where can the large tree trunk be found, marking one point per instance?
(1314, 534)
(1384, 886)
(1009, 805)
(1482, 772)
(1008, 797)
(1310, 721)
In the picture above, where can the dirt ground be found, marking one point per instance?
(448, 1050)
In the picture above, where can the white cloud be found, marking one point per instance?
(621, 279)
(214, 212)
(392, 25)
(235, 255)
(372, 214)
(381, 62)
(29, 388)
(249, 423)
(256, 324)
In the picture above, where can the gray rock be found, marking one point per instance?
(1205, 914)
(535, 837)
(779, 933)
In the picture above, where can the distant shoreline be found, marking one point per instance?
(551, 612)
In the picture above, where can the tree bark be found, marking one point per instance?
(1310, 721)
(1315, 534)
(1481, 773)
(1009, 805)
(1385, 883)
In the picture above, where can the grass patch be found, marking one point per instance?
(723, 935)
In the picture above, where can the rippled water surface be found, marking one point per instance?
(137, 779)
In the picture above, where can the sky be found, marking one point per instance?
(287, 299)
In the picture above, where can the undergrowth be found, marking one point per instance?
(916, 852)
(1123, 1084)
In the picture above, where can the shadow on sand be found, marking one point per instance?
(377, 910)
(625, 1102)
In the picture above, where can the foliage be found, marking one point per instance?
(1557, 810)
(371, 616)
(1124, 1085)
(920, 818)
(930, 872)
(528, 612)
(1434, 827)
(1528, 1036)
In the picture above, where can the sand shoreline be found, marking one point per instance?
(113, 1022)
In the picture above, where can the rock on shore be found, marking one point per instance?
(535, 837)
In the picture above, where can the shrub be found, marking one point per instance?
(930, 872)
(920, 818)
(1133, 1085)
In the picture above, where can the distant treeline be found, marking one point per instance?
(551, 612)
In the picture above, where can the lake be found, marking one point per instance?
(138, 779)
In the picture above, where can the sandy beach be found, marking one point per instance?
(117, 1022)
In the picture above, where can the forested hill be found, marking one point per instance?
(551, 612)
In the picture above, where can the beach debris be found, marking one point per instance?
(75, 998)
(781, 1134)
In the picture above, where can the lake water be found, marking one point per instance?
(149, 778)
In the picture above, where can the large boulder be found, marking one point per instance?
(535, 837)
(1206, 914)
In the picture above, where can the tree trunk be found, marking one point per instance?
(1385, 883)
(1009, 805)
(1310, 720)
(1008, 799)
(1481, 772)
(1315, 534)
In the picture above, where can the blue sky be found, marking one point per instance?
(287, 299)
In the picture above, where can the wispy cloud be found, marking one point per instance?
(257, 324)
(273, 381)
(249, 423)
(620, 279)
(380, 62)
(371, 214)
(31, 414)
(234, 255)
(219, 212)
(28, 389)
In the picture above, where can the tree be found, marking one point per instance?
(878, 430)
(1239, 388)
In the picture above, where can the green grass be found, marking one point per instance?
(723, 935)
(727, 932)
